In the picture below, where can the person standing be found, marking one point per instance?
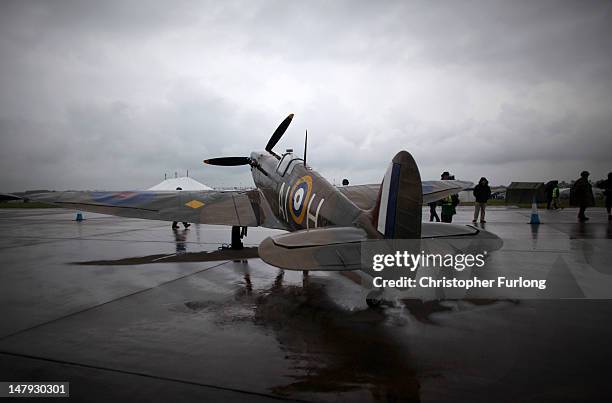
(449, 202)
(482, 193)
(174, 223)
(606, 185)
(555, 196)
(549, 193)
(583, 195)
(432, 212)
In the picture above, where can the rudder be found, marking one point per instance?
(398, 210)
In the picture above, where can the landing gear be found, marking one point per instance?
(237, 234)
(374, 298)
(305, 278)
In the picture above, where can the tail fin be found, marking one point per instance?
(397, 214)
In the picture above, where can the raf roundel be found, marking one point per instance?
(300, 194)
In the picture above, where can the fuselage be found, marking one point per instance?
(301, 198)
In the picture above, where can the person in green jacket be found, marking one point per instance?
(555, 196)
(448, 203)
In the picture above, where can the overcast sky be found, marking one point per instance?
(112, 95)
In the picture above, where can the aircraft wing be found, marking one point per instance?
(8, 196)
(364, 196)
(437, 190)
(241, 208)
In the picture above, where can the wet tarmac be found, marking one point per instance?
(129, 308)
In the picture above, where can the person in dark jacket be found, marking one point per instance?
(174, 223)
(549, 187)
(432, 212)
(482, 193)
(582, 193)
(606, 185)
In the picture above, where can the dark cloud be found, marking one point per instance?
(117, 93)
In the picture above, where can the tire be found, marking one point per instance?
(374, 299)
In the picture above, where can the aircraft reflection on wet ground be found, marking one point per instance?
(238, 329)
(328, 347)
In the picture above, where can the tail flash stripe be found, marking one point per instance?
(392, 201)
(384, 201)
(397, 213)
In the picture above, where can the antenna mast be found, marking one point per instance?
(305, 146)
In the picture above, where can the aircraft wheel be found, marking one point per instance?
(237, 237)
(374, 299)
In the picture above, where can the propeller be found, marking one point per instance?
(229, 161)
(237, 161)
(234, 162)
(278, 133)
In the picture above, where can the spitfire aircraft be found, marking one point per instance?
(325, 224)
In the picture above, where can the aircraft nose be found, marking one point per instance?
(258, 156)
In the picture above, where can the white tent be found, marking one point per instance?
(185, 183)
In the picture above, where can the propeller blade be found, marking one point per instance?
(229, 161)
(278, 133)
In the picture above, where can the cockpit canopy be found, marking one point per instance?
(287, 163)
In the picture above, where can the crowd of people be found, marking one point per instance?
(581, 196)
(482, 194)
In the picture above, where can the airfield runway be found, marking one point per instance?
(108, 305)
